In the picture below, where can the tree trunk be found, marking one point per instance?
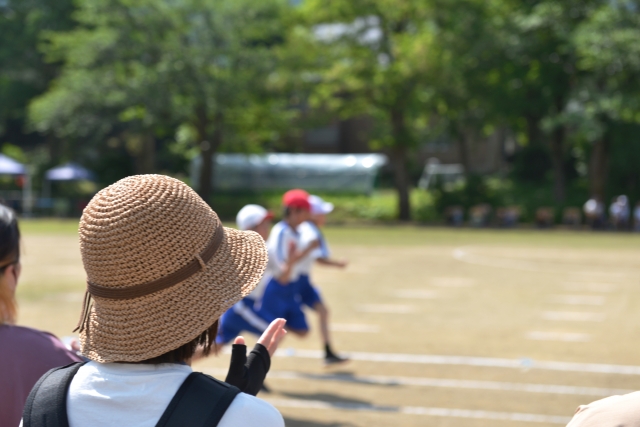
(599, 167)
(534, 134)
(463, 149)
(142, 147)
(147, 157)
(557, 161)
(208, 148)
(399, 162)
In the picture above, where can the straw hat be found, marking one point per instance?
(160, 268)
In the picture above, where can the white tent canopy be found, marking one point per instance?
(69, 172)
(8, 166)
(320, 172)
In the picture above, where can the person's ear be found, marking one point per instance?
(12, 274)
(17, 268)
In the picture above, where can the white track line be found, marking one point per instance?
(452, 282)
(440, 383)
(419, 410)
(385, 308)
(416, 294)
(464, 254)
(558, 336)
(573, 316)
(579, 299)
(488, 362)
(354, 327)
(590, 287)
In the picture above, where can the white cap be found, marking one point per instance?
(251, 216)
(319, 206)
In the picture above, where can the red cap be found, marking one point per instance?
(296, 199)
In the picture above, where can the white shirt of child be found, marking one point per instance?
(125, 394)
(281, 241)
(309, 232)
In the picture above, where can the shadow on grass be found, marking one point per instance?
(330, 398)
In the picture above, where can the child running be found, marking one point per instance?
(309, 232)
(282, 297)
(242, 316)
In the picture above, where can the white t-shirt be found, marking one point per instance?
(281, 240)
(257, 293)
(310, 232)
(125, 394)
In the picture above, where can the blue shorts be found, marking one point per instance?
(308, 293)
(283, 301)
(242, 317)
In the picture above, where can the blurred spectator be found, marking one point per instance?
(571, 217)
(508, 217)
(619, 212)
(545, 217)
(636, 217)
(480, 215)
(594, 213)
(25, 354)
(454, 215)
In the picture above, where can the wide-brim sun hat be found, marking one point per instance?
(161, 268)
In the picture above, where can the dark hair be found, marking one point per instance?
(9, 254)
(185, 352)
(9, 237)
(288, 210)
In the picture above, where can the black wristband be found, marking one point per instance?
(237, 375)
(248, 373)
(257, 366)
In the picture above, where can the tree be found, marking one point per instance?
(377, 58)
(23, 72)
(606, 102)
(533, 72)
(143, 69)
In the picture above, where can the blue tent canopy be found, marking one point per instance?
(8, 166)
(69, 172)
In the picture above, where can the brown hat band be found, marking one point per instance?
(197, 264)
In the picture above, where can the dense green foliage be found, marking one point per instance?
(137, 86)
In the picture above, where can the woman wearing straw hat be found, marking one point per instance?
(161, 270)
(25, 353)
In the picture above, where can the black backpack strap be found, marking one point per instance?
(46, 405)
(201, 401)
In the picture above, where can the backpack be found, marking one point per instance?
(201, 401)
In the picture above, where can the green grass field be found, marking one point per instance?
(445, 327)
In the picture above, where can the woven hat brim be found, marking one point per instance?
(143, 328)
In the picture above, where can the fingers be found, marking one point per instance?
(239, 340)
(272, 336)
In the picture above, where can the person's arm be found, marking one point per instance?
(332, 262)
(248, 373)
(292, 259)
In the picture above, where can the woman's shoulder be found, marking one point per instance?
(24, 333)
(249, 411)
(35, 341)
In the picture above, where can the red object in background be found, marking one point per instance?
(296, 199)
(20, 181)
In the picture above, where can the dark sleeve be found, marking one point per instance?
(248, 373)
